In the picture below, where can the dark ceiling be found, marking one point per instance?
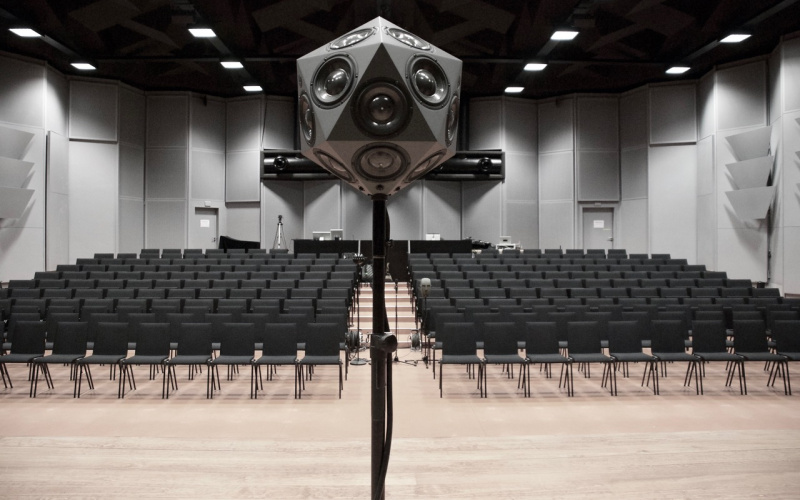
(622, 44)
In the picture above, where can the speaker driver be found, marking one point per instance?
(409, 39)
(381, 109)
(306, 118)
(352, 38)
(428, 82)
(333, 165)
(425, 166)
(380, 162)
(452, 120)
(333, 81)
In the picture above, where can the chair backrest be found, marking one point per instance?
(668, 336)
(457, 338)
(500, 338)
(280, 339)
(624, 337)
(787, 335)
(583, 337)
(152, 339)
(238, 339)
(71, 338)
(541, 337)
(29, 338)
(750, 335)
(322, 339)
(111, 339)
(708, 336)
(194, 339)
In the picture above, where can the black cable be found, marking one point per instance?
(387, 444)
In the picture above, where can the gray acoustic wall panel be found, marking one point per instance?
(707, 231)
(791, 259)
(132, 116)
(280, 113)
(93, 110)
(726, 215)
(598, 176)
(131, 171)
(745, 255)
(672, 114)
(208, 123)
(775, 92)
(705, 166)
(556, 224)
(749, 144)
(166, 173)
(93, 198)
(522, 177)
(243, 129)
(14, 202)
(632, 221)
(165, 224)
(57, 218)
(29, 146)
(322, 206)
(208, 175)
(482, 216)
(168, 121)
(791, 72)
(791, 173)
(242, 176)
(131, 225)
(555, 176)
(742, 96)
(244, 221)
(598, 123)
(520, 130)
(673, 199)
(56, 103)
(357, 214)
(24, 81)
(556, 125)
(633, 173)
(21, 252)
(706, 106)
(522, 222)
(441, 209)
(485, 119)
(405, 213)
(633, 119)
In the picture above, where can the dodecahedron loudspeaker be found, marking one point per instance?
(378, 107)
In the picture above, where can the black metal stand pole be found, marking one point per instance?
(378, 357)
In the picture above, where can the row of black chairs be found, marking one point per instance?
(529, 264)
(166, 345)
(194, 252)
(50, 279)
(547, 252)
(202, 264)
(458, 341)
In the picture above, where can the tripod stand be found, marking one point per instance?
(280, 239)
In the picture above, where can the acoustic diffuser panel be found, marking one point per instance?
(750, 174)
(14, 172)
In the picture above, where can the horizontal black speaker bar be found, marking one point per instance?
(290, 165)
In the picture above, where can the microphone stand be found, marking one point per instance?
(396, 359)
(359, 361)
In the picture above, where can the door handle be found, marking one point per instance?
(611, 239)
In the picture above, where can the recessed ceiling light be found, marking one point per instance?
(535, 66)
(677, 70)
(202, 32)
(564, 35)
(25, 32)
(514, 90)
(83, 66)
(253, 88)
(231, 64)
(735, 38)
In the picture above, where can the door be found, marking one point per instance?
(598, 228)
(204, 234)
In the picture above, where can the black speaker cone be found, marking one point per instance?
(306, 117)
(381, 109)
(333, 81)
(428, 82)
(452, 120)
(380, 162)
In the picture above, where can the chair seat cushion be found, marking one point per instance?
(320, 360)
(503, 359)
(761, 356)
(460, 359)
(674, 356)
(547, 358)
(232, 360)
(18, 358)
(60, 358)
(101, 359)
(793, 356)
(631, 357)
(277, 360)
(189, 359)
(589, 358)
(717, 356)
(141, 359)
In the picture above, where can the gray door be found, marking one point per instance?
(598, 228)
(204, 235)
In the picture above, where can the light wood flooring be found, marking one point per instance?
(635, 445)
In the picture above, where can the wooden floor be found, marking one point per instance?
(635, 445)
